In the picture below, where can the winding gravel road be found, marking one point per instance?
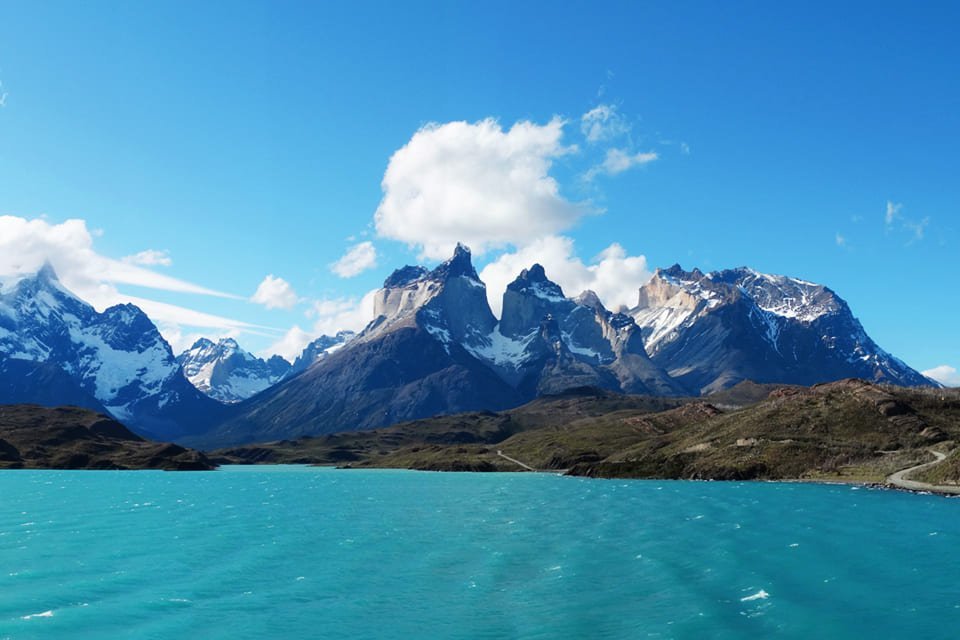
(898, 479)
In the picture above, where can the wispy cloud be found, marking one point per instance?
(840, 240)
(893, 212)
(918, 228)
(894, 218)
(356, 260)
(327, 316)
(602, 123)
(25, 245)
(619, 160)
(150, 258)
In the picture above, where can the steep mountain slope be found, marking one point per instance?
(710, 331)
(227, 373)
(115, 360)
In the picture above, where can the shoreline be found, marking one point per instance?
(919, 488)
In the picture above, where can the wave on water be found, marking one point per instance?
(44, 614)
(759, 595)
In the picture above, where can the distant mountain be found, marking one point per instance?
(56, 348)
(227, 373)
(319, 349)
(710, 331)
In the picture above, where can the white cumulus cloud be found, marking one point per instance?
(291, 345)
(275, 293)
(613, 275)
(329, 316)
(356, 260)
(475, 183)
(945, 375)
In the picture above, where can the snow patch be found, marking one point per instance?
(501, 350)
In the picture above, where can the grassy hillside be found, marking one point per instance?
(848, 430)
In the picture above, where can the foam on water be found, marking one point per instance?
(294, 552)
(45, 614)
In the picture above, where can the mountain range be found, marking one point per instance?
(435, 347)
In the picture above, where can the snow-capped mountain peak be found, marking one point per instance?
(225, 372)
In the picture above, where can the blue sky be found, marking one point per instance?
(241, 140)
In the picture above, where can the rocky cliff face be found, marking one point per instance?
(115, 360)
(227, 373)
(449, 302)
(711, 331)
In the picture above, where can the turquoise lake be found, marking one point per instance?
(297, 552)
